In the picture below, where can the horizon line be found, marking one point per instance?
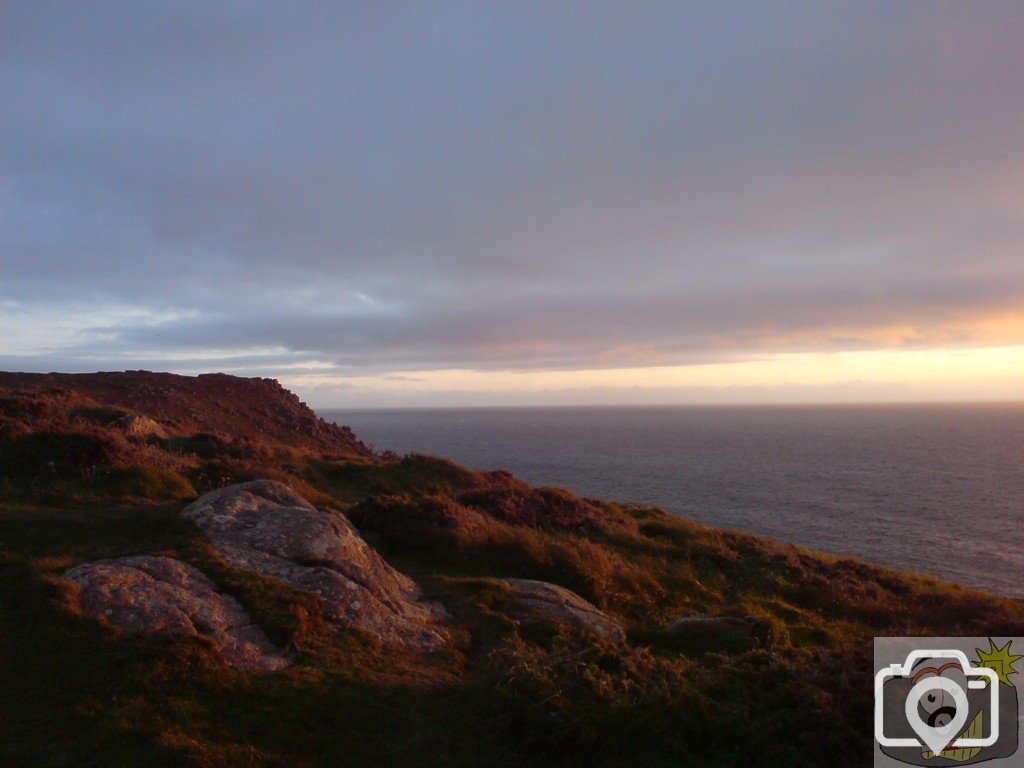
(647, 406)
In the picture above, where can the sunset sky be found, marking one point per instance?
(473, 204)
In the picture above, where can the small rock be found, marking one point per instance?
(709, 627)
(160, 595)
(561, 604)
(265, 526)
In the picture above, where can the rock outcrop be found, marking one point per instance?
(712, 627)
(561, 604)
(160, 595)
(264, 526)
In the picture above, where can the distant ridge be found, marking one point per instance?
(217, 403)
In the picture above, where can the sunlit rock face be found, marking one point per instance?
(265, 526)
(160, 595)
(561, 604)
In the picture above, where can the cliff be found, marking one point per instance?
(215, 403)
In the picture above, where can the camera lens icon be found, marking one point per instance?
(936, 709)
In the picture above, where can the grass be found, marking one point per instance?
(513, 691)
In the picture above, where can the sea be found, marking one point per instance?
(937, 489)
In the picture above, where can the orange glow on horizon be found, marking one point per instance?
(992, 373)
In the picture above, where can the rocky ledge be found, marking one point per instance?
(265, 526)
(159, 595)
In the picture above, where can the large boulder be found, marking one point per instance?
(560, 604)
(265, 526)
(159, 595)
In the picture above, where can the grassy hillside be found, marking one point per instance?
(84, 476)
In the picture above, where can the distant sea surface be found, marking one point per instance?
(932, 488)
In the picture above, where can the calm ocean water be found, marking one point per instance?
(936, 489)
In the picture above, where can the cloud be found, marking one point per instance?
(251, 186)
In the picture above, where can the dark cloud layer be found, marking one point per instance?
(506, 186)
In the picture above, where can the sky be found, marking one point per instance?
(519, 203)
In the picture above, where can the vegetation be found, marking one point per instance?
(77, 486)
